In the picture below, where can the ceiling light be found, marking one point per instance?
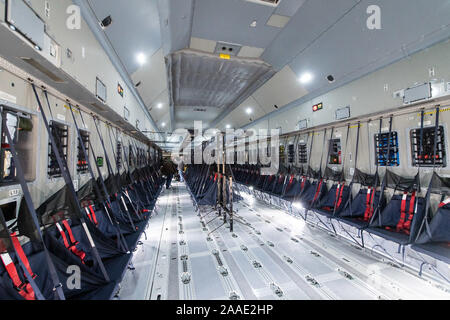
(163, 124)
(159, 105)
(13, 28)
(306, 78)
(249, 110)
(253, 24)
(228, 126)
(141, 58)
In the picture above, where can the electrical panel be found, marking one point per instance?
(60, 134)
(424, 156)
(131, 157)
(335, 151)
(282, 154)
(291, 153)
(82, 165)
(119, 155)
(302, 153)
(383, 146)
(19, 126)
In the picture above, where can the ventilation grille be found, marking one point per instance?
(272, 3)
(98, 107)
(199, 109)
(43, 69)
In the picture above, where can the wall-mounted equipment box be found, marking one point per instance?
(23, 19)
(302, 153)
(100, 90)
(302, 124)
(343, 113)
(423, 153)
(335, 151)
(417, 93)
(387, 149)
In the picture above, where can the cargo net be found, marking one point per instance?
(399, 183)
(364, 179)
(333, 175)
(436, 225)
(57, 208)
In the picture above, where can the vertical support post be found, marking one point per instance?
(231, 202)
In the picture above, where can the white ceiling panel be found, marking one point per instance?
(278, 21)
(203, 44)
(282, 89)
(250, 52)
(152, 76)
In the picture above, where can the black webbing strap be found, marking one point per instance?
(57, 286)
(68, 180)
(422, 116)
(345, 150)
(125, 159)
(428, 196)
(323, 150)
(328, 152)
(111, 172)
(86, 156)
(388, 156)
(136, 211)
(310, 150)
(436, 129)
(383, 183)
(100, 177)
(29, 277)
(108, 163)
(343, 168)
(120, 240)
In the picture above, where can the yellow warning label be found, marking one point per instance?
(225, 56)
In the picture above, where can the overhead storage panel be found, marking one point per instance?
(21, 17)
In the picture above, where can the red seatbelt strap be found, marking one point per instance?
(340, 190)
(412, 203)
(72, 246)
(94, 217)
(302, 186)
(319, 186)
(337, 195)
(444, 203)
(369, 204)
(21, 253)
(23, 288)
(290, 180)
(401, 221)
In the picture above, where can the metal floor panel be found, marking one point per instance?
(271, 255)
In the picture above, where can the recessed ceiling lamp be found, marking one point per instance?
(253, 24)
(163, 124)
(159, 105)
(305, 78)
(228, 126)
(141, 58)
(249, 110)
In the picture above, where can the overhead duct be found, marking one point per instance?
(198, 79)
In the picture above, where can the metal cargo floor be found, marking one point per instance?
(270, 255)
